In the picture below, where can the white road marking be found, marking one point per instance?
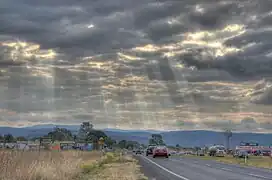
(226, 169)
(165, 169)
(256, 175)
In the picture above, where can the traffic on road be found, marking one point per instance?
(176, 168)
(156, 164)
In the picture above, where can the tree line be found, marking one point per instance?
(86, 134)
(9, 138)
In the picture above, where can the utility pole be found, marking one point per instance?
(228, 135)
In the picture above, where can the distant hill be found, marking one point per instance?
(52, 126)
(183, 138)
(202, 138)
(194, 138)
(34, 131)
(140, 136)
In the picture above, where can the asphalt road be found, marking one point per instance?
(182, 168)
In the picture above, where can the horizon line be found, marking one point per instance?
(127, 129)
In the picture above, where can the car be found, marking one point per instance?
(217, 150)
(257, 152)
(200, 153)
(173, 152)
(138, 151)
(266, 152)
(160, 151)
(241, 154)
(220, 153)
(149, 150)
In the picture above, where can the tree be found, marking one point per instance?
(21, 138)
(196, 148)
(122, 144)
(34, 138)
(152, 141)
(177, 146)
(84, 130)
(75, 138)
(132, 144)
(94, 135)
(109, 142)
(60, 134)
(143, 145)
(8, 138)
(156, 139)
(1, 138)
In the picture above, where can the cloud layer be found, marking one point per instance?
(137, 64)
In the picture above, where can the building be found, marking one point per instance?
(252, 147)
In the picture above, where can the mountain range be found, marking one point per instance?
(183, 138)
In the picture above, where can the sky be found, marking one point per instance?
(145, 64)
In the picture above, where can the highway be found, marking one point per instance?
(182, 168)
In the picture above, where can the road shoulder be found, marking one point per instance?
(154, 172)
(113, 166)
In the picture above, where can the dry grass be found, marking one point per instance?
(67, 165)
(256, 161)
(114, 167)
(46, 165)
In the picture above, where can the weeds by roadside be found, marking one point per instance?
(67, 165)
(44, 165)
(113, 166)
(255, 161)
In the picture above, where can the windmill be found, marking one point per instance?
(228, 135)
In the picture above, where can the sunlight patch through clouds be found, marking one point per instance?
(167, 65)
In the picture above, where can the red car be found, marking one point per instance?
(160, 151)
(266, 152)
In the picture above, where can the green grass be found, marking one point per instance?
(256, 161)
(112, 166)
(106, 159)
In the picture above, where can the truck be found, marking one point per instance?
(217, 150)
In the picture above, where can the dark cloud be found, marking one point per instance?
(208, 75)
(249, 123)
(156, 11)
(265, 97)
(214, 16)
(136, 63)
(165, 29)
(234, 64)
(266, 125)
(262, 93)
(248, 120)
(220, 125)
(7, 63)
(84, 116)
(185, 124)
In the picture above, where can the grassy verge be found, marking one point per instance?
(44, 165)
(112, 166)
(256, 161)
(67, 165)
